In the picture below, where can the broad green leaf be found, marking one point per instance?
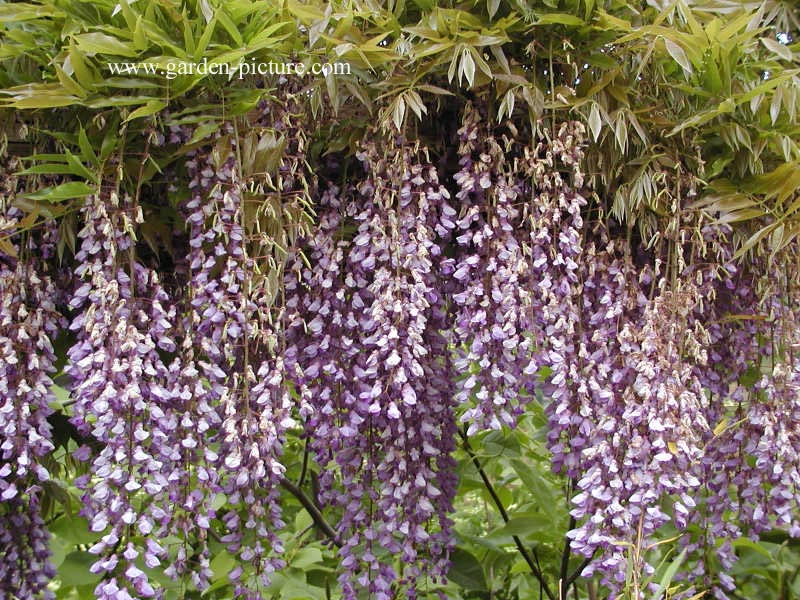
(777, 48)
(139, 35)
(69, 85)
(307, 13)
(306, 557)
(758, 547)
(222, 564)
(678, 54)
(65, 191)
(59, 548)
(61, 396)
(101, 43)
(151, 108)
(560, 19)
(75, 569)
(528, 527)
(16, 12)
(44, 99)
(466, 571)
(75, 62)
(74, 529)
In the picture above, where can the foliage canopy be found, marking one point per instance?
(507, 308)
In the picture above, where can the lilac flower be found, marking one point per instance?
(29, 323)
(367, 349)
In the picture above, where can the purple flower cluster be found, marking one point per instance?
(648, 440)
(671, 377)
(371, 358)
(28, 324)
(233, 322)
(490, 293)
(118, 387)
(751, 460)
(25, 568)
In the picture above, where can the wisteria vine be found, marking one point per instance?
(381, 316)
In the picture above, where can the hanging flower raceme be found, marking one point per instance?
(723, 303)
(25, 568)
(492, 304)
(118, 378)
(567, 351)
(750, 468)
(370, 366)
(624, 400)
(29, 323)
(648, 441)
(233, 325)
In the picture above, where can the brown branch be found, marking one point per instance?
(312, 509)
(578, 570)
(563, 581)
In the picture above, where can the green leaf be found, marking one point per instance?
(530, 526)
(16, 12)
(75, 569)
(44, 99)
(560, 19)
(100, 43)
(306, 557)
(80, 169)
(74, 529)
(775, 47)
(678, 54)
(87, 152)
(59, 549)
(466, 571)
(229, 26)
(222, 564)
(595, 122)
(758, 547)
(669, 574)
(75, 62)
(151, 108)
(305, 12)
(61, 398)
(65, 191)
(49, 169)
(204, 40)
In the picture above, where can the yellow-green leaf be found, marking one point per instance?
(151, 108)
(100, 43)
(777, 48)
(65, 191)
(678, 54)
